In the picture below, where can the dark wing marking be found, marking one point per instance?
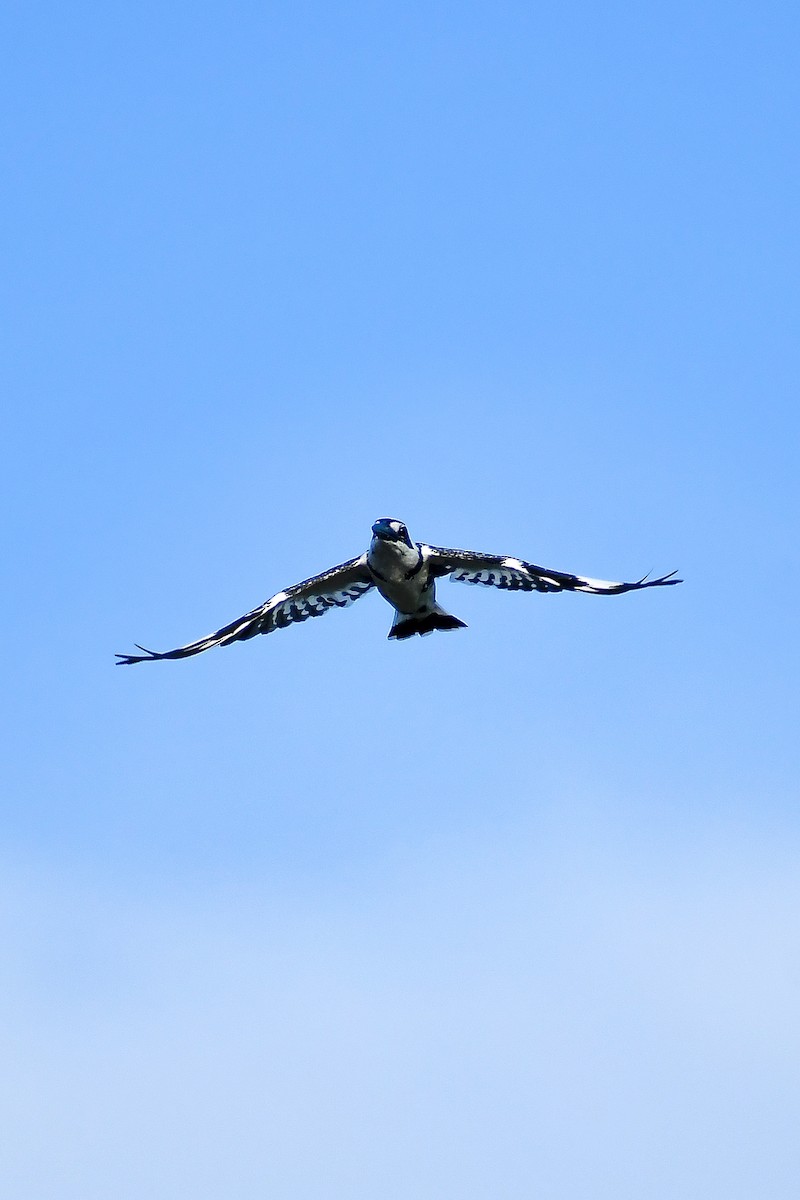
(516, 575)
(337, 588)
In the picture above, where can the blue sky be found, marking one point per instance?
(509, 912)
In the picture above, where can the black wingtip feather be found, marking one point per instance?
(127, 660)
(646, 581)
(664, 581)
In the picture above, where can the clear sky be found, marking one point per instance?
(508, 912)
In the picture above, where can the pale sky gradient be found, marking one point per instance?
(503, 913)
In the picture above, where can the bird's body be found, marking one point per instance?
(405, 574)
(401, 570)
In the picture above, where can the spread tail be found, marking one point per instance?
(422, 623)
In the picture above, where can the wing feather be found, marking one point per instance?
(336, 588)
(515, 574)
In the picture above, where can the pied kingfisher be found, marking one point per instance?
(405, 574)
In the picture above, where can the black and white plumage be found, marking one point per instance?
(405, 574)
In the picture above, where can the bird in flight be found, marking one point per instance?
(405, 574)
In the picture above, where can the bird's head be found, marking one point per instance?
(388, 530)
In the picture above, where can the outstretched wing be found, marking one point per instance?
(337, 588)
(516, 575)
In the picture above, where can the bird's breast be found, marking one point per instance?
(393, 568)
